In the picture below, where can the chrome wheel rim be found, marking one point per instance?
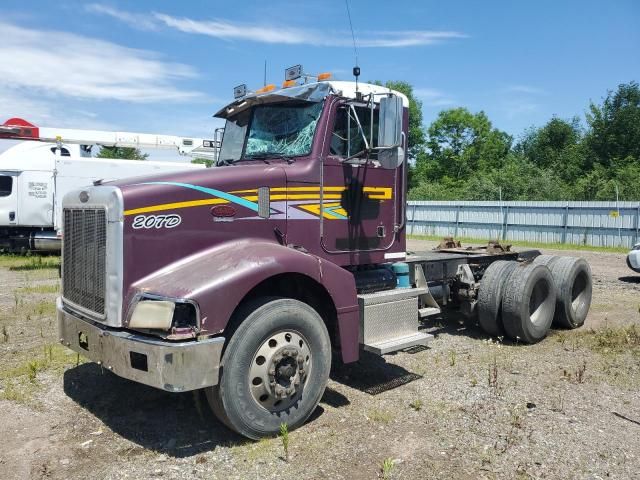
(279, 370)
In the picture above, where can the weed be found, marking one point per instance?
(516, 419)
(474, 382)
(48, 353)
(493, 375)
(5, 334)
(557, 404)
(416, 405)
(32, 371)
(284, 436)
(580, 372)
(614, 339)
(387, 467)
(381, 416)
(452, 357)
(10, 392)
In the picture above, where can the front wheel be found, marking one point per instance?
(274, 369)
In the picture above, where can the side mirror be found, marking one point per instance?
(390, 123)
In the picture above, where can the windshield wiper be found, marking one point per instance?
(266, 156)
(224, 161)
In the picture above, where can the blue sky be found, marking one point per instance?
(166, 66)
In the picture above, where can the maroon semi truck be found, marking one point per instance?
(245, 279)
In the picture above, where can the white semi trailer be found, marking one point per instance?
(35, 175)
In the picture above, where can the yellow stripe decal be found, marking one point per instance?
(301, 193)
(176, 205)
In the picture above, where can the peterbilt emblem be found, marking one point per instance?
(223, 211)
(156, 221)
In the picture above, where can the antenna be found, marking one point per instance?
(265, 73)
(356, 69)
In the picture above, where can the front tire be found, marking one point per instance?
(274, 369)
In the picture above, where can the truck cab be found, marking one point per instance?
(245, 279)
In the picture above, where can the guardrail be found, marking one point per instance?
(599, 224)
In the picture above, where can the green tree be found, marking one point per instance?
(205, 161)
(614, 136)
(558, 146)
(124, 153)
(416, 138)
(460, 144)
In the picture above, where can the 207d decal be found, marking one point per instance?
(156, 221)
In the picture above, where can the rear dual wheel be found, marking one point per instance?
(528, 303)
(573, 282)
(516, 300)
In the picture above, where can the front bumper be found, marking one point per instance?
(170, 366)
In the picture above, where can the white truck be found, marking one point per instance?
(633, 258)
(35, 175)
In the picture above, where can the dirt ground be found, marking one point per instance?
(465, 407)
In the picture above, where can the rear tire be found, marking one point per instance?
(490, 296)
(274, 369)
(528, 303)
(572, 277)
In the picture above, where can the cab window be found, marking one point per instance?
(346, 138)
(6, 185)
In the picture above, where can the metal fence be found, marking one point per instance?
(601, 224)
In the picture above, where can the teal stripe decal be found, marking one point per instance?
(211, 191)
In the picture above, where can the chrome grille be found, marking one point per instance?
(84, 250)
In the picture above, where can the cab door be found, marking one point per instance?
(357, 201)
(8, 198)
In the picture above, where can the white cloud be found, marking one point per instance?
(526, 89)
(432, 97)
(59, 63)
(48, 112)
(517, 108)
(278, 34)
(143, 22)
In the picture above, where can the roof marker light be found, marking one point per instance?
(266, 88)
(288, 83)
(324, 76)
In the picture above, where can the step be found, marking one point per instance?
(428, 312)
(385, 296)
(389, 346)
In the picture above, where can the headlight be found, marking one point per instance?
(153, 314)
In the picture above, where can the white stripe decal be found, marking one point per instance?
(395, 255)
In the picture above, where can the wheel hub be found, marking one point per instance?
(279, 370)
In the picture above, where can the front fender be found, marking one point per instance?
(219, 278)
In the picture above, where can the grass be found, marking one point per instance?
(29, 262)
(517, 243)
(613, 339)
(45, 288)
(387, 467)
(381, 416)
(53, 358)
(284, 436)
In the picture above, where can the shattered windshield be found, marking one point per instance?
(276, 129)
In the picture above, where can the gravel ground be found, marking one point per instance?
(466, 407)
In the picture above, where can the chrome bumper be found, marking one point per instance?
(174, 367)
